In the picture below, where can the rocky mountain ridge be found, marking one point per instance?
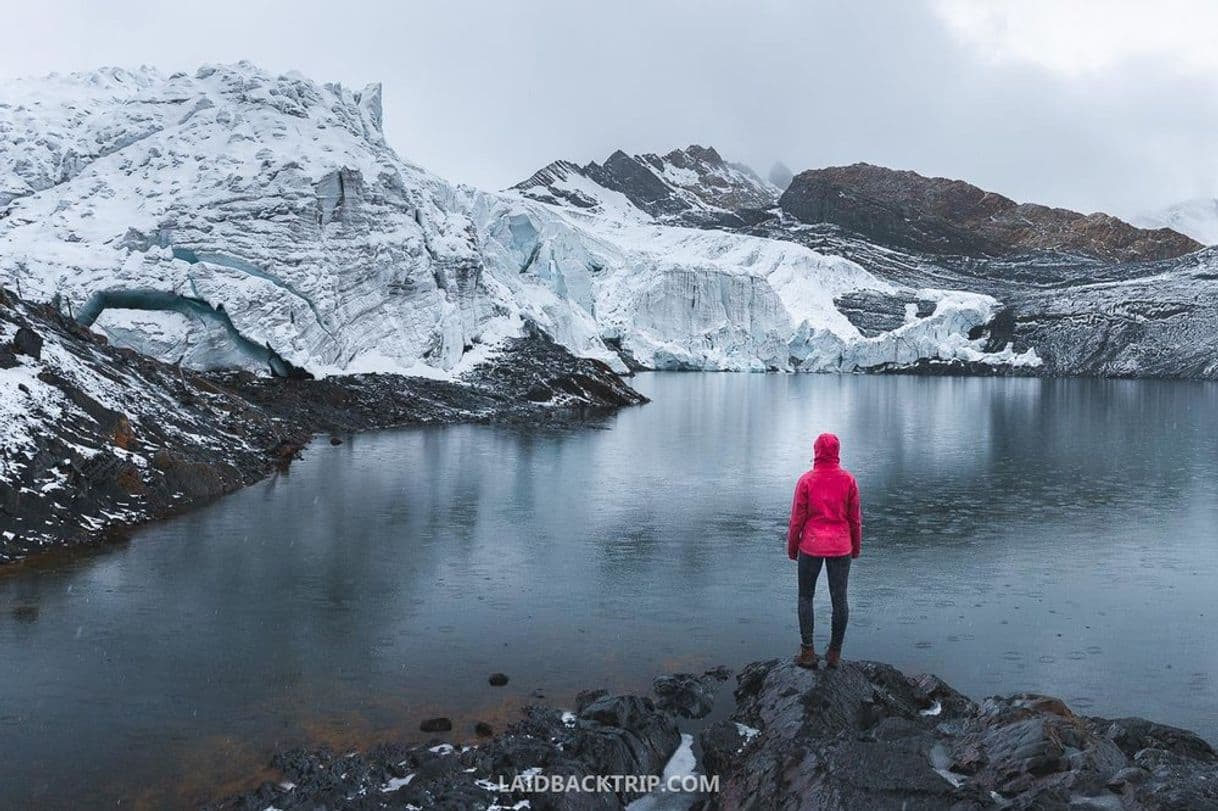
(906, 210)
(232, 217)
(1083, 294)
(691, 186)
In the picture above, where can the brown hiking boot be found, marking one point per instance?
(833, 657)
(807, 658)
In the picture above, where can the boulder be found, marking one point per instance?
(685, 694)
(28, 342)
(867, 736)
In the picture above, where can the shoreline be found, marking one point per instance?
(862, 736)
(103, 440)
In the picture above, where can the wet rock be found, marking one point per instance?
(1135, 734)
(28, 342)
(685, 694)
(867, 736)
(859, 737)
(483, 730)
(721, 744)
(719, 673)
(586, 697)
(1130, 775)
(620, 735)
(436, 725)
(335, 441)
(1177, 782)
(498, 679)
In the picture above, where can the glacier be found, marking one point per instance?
(264, 221)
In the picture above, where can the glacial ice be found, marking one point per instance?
(193, 309)
(277, 203)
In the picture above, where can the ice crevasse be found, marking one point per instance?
(272, 219)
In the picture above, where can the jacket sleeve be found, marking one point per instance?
(854, 514)
(799, 514)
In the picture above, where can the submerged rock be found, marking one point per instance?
(436, 725)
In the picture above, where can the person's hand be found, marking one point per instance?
(854, 555)
(793, 555)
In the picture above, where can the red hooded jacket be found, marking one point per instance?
(826, 519)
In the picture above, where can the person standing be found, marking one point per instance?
(825, 531)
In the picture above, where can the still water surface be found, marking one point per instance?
(1057, 536)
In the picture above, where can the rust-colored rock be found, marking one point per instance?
(122, 436)
(907, 210)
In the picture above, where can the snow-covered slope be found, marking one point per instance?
(668, 297)
(1198, 218)
(232, 216)
(272, 200)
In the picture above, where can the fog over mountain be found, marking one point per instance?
(1093, 107)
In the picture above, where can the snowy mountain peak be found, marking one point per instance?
(237, 217)
(690, 186)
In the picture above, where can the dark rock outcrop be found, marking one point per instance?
(867, 736)
(685, 694)
(863, 736)
(874, 313)
(104, 438)
(27, 342)
(613, 735)
(906, 210)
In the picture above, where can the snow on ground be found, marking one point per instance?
(270, 208)
(683, 763)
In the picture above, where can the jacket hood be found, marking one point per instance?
(827, 450)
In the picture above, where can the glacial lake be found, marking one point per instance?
(1047, 535)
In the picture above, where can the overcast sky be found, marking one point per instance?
(1092, 104)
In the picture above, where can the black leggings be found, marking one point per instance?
(839, 574)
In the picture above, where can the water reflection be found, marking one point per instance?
(1021, 534)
